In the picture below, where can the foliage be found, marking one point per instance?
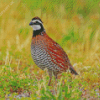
(74, 24)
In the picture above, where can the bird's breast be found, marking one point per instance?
(42, 55)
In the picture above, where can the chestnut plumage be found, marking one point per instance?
(46, 53)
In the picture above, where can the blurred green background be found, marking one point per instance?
(74, 24)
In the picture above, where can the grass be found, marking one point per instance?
(75, 26)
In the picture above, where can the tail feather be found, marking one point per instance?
(73, 70)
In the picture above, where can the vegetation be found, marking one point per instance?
(74, 24)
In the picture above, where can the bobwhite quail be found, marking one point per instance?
(46, 53)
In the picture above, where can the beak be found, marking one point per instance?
(31, 23)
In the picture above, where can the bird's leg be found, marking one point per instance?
(55, 85)
(55, 74)
(49, 81)
(50, 75)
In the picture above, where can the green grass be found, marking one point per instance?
(74, 24)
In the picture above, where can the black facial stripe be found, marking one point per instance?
(37, 23)
(37, 18)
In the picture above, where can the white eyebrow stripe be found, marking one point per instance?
(36, 20)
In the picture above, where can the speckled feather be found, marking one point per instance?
(46, 53)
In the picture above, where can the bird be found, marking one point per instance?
(47, 53)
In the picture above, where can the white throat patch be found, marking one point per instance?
(36, 27)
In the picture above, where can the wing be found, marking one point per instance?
(58, 55)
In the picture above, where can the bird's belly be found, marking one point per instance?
(40, 57)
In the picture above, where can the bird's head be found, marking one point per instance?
(36, 24)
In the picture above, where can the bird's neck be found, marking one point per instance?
(38, 32)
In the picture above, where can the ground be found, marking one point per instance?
(78, 34)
